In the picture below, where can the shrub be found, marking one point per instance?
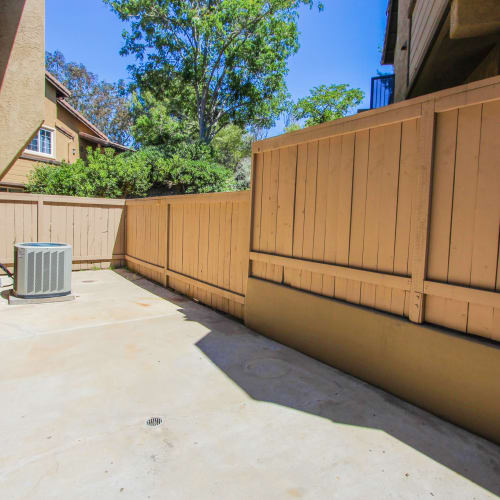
(103, 174)
(130, 174)
(193, 176)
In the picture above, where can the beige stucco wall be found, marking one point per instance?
(66, 148)
(22, 78)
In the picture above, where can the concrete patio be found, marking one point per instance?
(243, 416)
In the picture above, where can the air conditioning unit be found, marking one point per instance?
(42, 270)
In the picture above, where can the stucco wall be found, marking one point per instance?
(22, 78)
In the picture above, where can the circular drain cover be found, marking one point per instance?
(154, 421)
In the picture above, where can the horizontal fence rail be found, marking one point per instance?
(195, 244)
(94, 227)
(396, 209)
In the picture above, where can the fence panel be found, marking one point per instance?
(465, 215)
(95, 227)
(196, 244)
(344, 200)
(397, 209)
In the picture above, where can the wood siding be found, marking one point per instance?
(195, 244)
(94, 227)
(400, 214)
(425, 20)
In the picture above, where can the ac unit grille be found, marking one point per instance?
(45, 272)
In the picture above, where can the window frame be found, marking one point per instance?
(53, 143)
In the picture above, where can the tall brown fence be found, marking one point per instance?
(397, 209)
(95, 227)
(196, 244)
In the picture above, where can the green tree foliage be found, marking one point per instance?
(230, 55)
(325, 103)
(293, 127)
(163, 124)
(106, 105)
(231, 145)
(131, 174)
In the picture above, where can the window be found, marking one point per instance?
(43, 142)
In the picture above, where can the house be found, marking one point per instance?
(64, 136)
(437, 44)
(37, 123)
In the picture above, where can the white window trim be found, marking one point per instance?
(39, 153)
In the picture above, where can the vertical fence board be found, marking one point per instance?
(286, 205)
(462, 231)
(335, 151)
(486, 219)
(388, 211)
(300, 198)
(406, 183)
(318, 252)
(373, 201)
(356, 244)
(344, 210)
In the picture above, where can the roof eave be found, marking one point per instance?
(103, 142)
(62, 89)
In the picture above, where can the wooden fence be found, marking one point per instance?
(95, 227)
(196, 244)
(397, 209)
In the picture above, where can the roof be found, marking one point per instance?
(62, 94)
(391, 32)
(103, 142)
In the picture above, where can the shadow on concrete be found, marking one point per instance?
(271, 372)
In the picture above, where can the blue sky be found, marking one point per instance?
(339, 45)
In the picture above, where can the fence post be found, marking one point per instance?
(167, 243)
(125, 233)
(251, 221)
(40, 220)
(421, 211)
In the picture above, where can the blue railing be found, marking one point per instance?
(382, 91)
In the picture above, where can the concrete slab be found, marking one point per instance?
(244, 417)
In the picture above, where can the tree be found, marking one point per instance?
(106, 105)
(164, 124)
(325, 103)
(231, 54)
